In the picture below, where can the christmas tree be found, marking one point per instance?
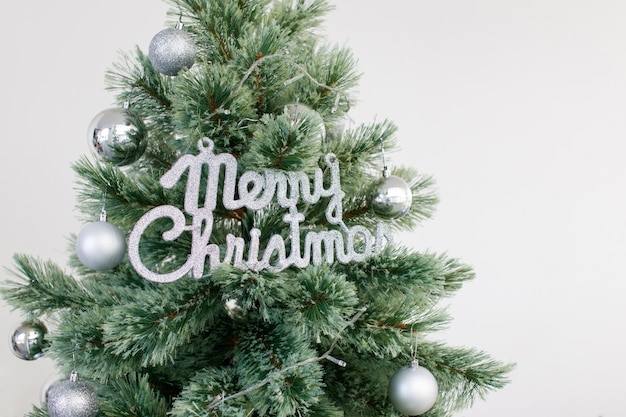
(237, 257)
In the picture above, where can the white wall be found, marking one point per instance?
(517, 109)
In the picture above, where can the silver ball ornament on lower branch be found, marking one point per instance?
(391, 197)
(413, 390)
(72, 398)
(28, 340)
(100, 245)
(117, 137)
(172, 50)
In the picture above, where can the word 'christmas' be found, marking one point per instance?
(254, 191)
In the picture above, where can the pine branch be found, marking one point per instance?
(132, 396)
(39, 412)
(42, 288)
(221, 108)
(325, 356)
(305, 15)
(327, 88)
(126, 199)
(158, 323)
(462, 373)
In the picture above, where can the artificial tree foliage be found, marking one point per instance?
(244, 341)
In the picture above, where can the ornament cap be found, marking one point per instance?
(74, 377)
(179, 26)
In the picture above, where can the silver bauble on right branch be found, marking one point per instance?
(117, 137)
(171, 50)
(28, 340)
(391, 198)
(100, 245)
(413, 390)
(337, 128)
(72, 398)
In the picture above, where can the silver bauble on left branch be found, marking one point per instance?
(100, 245)
(28, 340)
(72, 398)
(117, 136)
(171, 50)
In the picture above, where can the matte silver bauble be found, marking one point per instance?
(171, 50)
(392, 198)
(413, 390)
(28, 340)
(72, 398)
(116, 137)
(100, 245)
(301, 114)
(336, 129)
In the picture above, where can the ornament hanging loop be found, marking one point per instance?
(103, 212)
(386, 171)
(179, 25)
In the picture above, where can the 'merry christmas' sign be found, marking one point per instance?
(254, 191)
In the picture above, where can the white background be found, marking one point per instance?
(515, 107)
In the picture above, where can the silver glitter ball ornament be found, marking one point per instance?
(100, 245)
(45, 390)
(28, 340)
(117, 137)
(413, 390)
(302, 114)
(392, 197)
(171, 50)
(72, 398)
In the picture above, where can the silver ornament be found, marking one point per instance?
(72, 398)
(233, 309)
(100, 245)
(413, 390)
(45, 390)
(116, 137)
(391, 198)
(336, 129)
(28, 340)
(301, 113)
(171, 50)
